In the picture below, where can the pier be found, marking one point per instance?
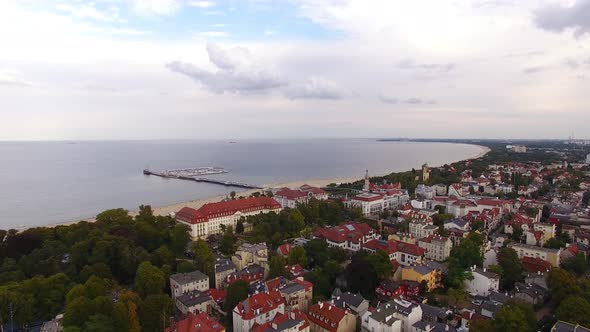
(172, 175)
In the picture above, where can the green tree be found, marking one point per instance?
(381, 264)
(120, 318)
(162, 256)
(516, 316)
(554, 243)
(228, 242)
(78, 311)
(149, 280)
(577, 264)
(276, 267)
(575, 310)
(561, 284)
(511, 267)
(154, 312)
(179, 237)
(236, 293)
(240, 227)
(297, 256)
(297, 222)
(99, 323)
(204, 259)
(114, 216)
(184, 267)
(482, 325)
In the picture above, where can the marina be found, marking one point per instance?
(195, 174)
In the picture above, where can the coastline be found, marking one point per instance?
(166, 210)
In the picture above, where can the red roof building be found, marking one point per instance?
(284, 249)
(200, 322)
(208, 218)
(291, 321)
(401, 252)
(535, 265)
(347, 236)
(325, 316)
(257, 309)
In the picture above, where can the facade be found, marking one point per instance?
(438, 248)
(392, 316)
(258, 309)
(369, 203)
(297, 294)
(223, 267)
(353, 302)
(420, 273)
(518, 149)
(208, 218)
(562, 326)
(194, 302)
(547, 254)
(425, 191)
(483, 282)
(290, 198)
(182, 283)
(250, 274)
(200, 322)
(248, 254)
(326, 317)
(422, 229)
(348, 236)
(405, 254)
(389, 289)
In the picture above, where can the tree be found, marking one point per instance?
(179, 237)
(120, 319)
(482, 325)
(296, 222)
(154, 312)
(456, 296)
(516, 232)
(149, 280)
(113, 216)
(133, 318)
(381, 264)
(204, 259)
(577, 264)
(236, 293)
(228, 242)
(511, 267)
(99, 323)
(184, 267)
(277, 267)
(78, 311)
(575, 310)
(297, 256)
(162, 256)
(240, 227)
(561, 284)
(517, 317)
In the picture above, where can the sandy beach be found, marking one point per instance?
(195, 204)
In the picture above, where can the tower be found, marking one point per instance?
(366, 186)
(425, 172)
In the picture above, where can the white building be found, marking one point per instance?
(438, 248)
(392, 316)
(182, 283)
(290, 198)
(426, 191)
(588, 159)
(422, 229)
(483, 282)
(370, 204)
(259, 308)
(208, 218)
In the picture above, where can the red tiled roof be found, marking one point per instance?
(296, 270)
(534, 265)
(226, 208)
(197, 323)
(326, 315)
(393, 246)
(313, 190)
(353, 232)
(295, 315)
(291, 194)
(371, 198)
(218, 295)
(261, 302)
(284, 249)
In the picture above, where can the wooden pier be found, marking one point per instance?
(167, 175)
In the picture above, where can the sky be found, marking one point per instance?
(231, 69)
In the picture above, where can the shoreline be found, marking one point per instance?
(165, 210)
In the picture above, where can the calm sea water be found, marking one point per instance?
(49, 182)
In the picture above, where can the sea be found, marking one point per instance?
(44, 183)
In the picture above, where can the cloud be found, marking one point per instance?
(315, 88)
(440, 67)
(213, 34)
(89, 11)
(533, 69)
(156, 7)
(13, 77)
(201, 4)
(557, 18)
(236, 74)
(388, 99)
(413, 101)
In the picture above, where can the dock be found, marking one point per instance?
(173, 175)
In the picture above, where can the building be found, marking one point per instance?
(422, 273)
(392, 316)
(248, 254)
(223, 267)
(423, 326)
(483, 282)
(195, 302)
(588, 159)
(294, 321)
(425, 173)
(290, 198)
(403, 253)
(284, 249)
(369, 203)
(425, 191)
(297, 294)
(258, 309)
(182, 283)
(547, 254)
(326, 317)
(209, 218)
(200, 322)
(356, 303)
(437, 247)
(422, 229)
(390, 290)
(562, 326)
(518, 148)
(250, 274)
(349, 236)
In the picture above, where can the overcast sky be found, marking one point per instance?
(150, 69)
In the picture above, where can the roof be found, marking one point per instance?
(433, 327)
(367, 197)
(346, 232)
(194, 298)
(531, 247)
(486, 273)
(258, 304)
(562, 326)
(185, 278)
(347, 300)
(284, 322)
(223, 264)
(432, 311)
(393, 246)
(226, 208)
(420, 269)
(326, 315)
(385, 310)
(284, 249)
(291, 194)
(197, 323)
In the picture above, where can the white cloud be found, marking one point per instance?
(156, 7)
(13, 77)
(89, 11)
(213, 34)
(202, 4)
(316, 88)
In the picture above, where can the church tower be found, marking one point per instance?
(366, 187)
(425, 173)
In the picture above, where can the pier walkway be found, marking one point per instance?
(200, 179)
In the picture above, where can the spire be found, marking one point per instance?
(366, 186)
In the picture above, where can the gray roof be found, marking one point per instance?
(433, 327)
(527, 246)
(387, 309)
(432, 311)
(223, 264)
(562, 326)
(347, 300)
(499, 297)
(487, 273)
(491, 307)
(185, 278)
(284, 326)
(291, 288)
(194, 298)
(422, 269)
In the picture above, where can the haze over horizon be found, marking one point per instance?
(182, 69)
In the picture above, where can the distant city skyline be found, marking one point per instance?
(249, 69)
